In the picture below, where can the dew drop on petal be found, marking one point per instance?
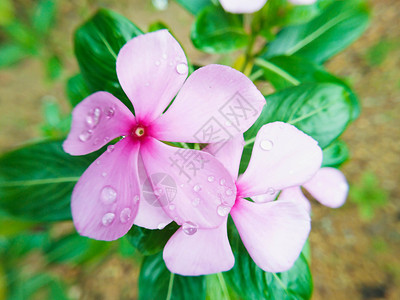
(104, 174)
(108, 195)
(125, 215)
(97, 162)
(171, 207)
(107, 219)
(271, 191)
(85, 135)
(229, 192)
(110, 148)
(196, 201)
(210, 178)
(182, 185)
(136, 199)
(182, 68)
(222, 181)
(197, 188)
(106, 139)
(266, 145)
(93, 117)
(223, 210)
(109, 112)
(189, 228)
(157, 63)
(164, 56)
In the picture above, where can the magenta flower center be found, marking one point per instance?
(139, 131)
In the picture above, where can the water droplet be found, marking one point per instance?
(161, 225)
(108, 195)
(104, 174)
(136, 199)
(266, 145)
(110, 148)
(229, 192)
(171, 207)
(107, 219)
(125, 215)
(106, 139)
(196, 201)
(182, 68)
(96, 141)
(85, 135)
(164, 56)
(228, 124)
(223, 210)
(158, 192)
(97, 162)
(197, 188)
(109, 112)
(189, 228)
(182, 185)
(210, 178)
(271, 191)
(222, 181)
(93, 117)
(157, 63)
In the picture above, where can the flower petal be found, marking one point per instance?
(151, 214)
(273, 233)
(295, 195)
(105, 199)
(201, 190)
(96, 120)
(206, 251)
(282, 156)
(242, 7)
(303, 2)
(229, 154)
(215, 104)
(151, 69)
(329, 187)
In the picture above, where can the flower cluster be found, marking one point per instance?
(146, 178)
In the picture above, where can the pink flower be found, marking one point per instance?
(251, 6)
(273, 232)
(151, 69)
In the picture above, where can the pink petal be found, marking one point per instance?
(282, 156)
(206, 251)
(271, 196)
(105, 199)
(96, 121)
(242, 7)
(273, 233)
(295, 195)
(150, 214)
(151, 69)
(229, 154)
(205, 191)
(215, 104)
(329, 187)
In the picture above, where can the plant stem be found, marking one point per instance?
(170, 286)
(223, 286)
(282, 73)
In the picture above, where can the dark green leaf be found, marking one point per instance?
(155, 281)
(335, 154)
(97, 43)
(322, 110)
(304, 71)
(36, 181)
(333, 30)
(77, 89)
(44, 17)
(54, 67)
(216, 31)
(148, 241)
(194, 7)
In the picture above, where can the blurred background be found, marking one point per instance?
(355, 249)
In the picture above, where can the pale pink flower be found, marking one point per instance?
(151, 69)
(274, 232)
(251, 6)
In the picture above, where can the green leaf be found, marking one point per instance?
(335, 154)
(329, 33)
(216, 31)
(156, 282)
(54, 67)
(194, 7)
(36, 181)
(158, 26)
(322, 110)
(97, 43)
(284, 71)
(44, 17)
(11, 54)
(77, 89)
(148, 241)
(294, 284)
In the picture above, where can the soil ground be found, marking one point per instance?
(352, 257)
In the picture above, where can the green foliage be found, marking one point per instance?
(335, 154)
(55, 125)
(77, 89)
(194, 7)
(42, 191)
(324, 36)
(97, 43)
(156, 282)
(150, 242)
(368, 195)
(216, 31)
(378, 53)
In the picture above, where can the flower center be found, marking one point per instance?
(139, 132)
